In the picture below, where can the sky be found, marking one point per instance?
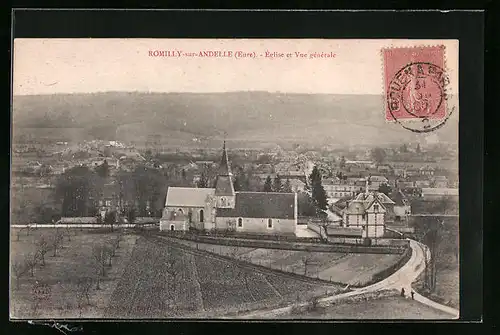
(49, 66)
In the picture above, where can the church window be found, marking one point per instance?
(269, 223)
(202, 219)
(240, 222)
(375, 208)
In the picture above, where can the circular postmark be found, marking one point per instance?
(417, 93)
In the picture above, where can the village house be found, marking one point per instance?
(402, 207)
(439, 193)
(384, 168)
(221, 208)
(440, 182)
(297, 185)
(367, 211)
(374, 182)
(427, 171)
(108, 200)
(336, 188)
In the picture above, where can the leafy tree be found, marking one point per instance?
(203, 182)
(110, 219)
(141, 186)
(342, 162)
(378, 155)
(403, 148)
(384, 188)
(131, 215)
(418, 150)
(287, 187)
(318, 193)
(75, 188)
(268, 185)
(183, 174)
(305, 205)
(277, 185)
(103, 170)
(46, 214)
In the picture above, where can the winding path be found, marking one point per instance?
(403, 278)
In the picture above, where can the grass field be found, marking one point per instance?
(353, 269)
(164, 281)
(62, 274)
(386, 308)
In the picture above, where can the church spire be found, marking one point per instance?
(224, 168)
(224, 184)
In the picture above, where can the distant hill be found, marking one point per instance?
(195, 119)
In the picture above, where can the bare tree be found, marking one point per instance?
(306, 261)
(233, 252)
(28, 229)
(432, 237)
(83, 288)
(109, 253)
(42, 248)
(55, 243)
(324, 223)
(99, 257)
(30, 261)
(18, 270)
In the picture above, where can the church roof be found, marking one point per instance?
(224, 168)
(261, 205)
(188, 196)
(224, 186)
(224, 183)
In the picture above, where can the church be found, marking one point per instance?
(221, 208)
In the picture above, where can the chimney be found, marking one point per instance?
(366, 184)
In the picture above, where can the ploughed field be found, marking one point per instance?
(163, 280)
(352, 269)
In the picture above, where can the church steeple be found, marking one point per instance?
(224, 189)
(224, 168)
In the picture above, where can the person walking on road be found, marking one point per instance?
(412, 295)
(402, 292)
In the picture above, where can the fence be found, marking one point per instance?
(337, 248)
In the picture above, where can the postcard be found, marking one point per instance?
(281, 179)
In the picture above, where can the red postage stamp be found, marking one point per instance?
(415, 83)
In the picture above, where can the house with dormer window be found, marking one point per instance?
(368, 211)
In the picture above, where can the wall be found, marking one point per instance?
(225, 202)
(346, 248)
(258, 225)
(402, 211)
(195, 219)
(178, 225)
(375, 226)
